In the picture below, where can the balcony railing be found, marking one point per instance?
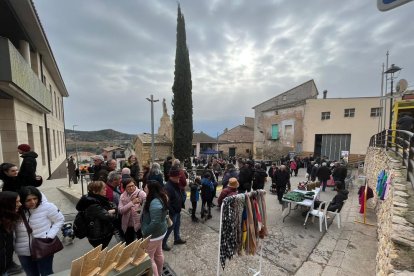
(15, 69)
(401, 142)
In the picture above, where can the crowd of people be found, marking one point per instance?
(25, 215)
(131, 203)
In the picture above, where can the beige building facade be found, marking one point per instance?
(278, 122)
(31, 90)
(334, 125)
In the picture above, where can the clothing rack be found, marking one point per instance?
(365, 204)
(256, 272)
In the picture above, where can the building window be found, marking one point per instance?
(326, 115)
(284, 98)
(349, 112)
(376, 112)
(275, 132)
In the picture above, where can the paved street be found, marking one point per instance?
(288, 249)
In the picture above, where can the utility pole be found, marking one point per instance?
(151, 99)
(76, 146)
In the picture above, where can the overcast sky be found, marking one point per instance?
(114, 54)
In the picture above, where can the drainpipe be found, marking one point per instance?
(47, 147)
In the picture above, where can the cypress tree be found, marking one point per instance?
(182, 101)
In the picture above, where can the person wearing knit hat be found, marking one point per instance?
(230, 190)
(27, 171)
(23, 148)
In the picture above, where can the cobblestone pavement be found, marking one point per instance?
(290, 247)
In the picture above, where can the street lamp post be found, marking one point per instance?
(76, 146)
(151, 99)
(393, 69)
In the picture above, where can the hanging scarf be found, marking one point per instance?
(228, 233)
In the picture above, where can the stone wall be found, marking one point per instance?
(395, 215)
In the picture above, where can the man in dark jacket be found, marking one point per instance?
(259, 177)
(99, 169)
(282, 178)
(323, 175)
(339, 172)
(245, 178)
(27, 171)
(167, 166)
(175, 200)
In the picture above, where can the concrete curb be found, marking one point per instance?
(72, 194)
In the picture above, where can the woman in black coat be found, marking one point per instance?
(99, 212)
(27, 171)
(8, 173)
(9, 206)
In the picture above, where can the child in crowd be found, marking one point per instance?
(194, 196)
(207, 188)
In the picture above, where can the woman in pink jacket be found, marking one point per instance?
(130, 206)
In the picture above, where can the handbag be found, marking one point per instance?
(169, 221)
(42, 247)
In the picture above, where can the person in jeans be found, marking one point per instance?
(46, 220)
(154, 223)
(174, 207)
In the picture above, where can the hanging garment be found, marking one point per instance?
(228, 238)
(251, 236)
(361, 193)
(379, 180)
(381, 183)
(239, 206)
(387, 188)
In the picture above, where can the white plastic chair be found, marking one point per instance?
(320, 213)
(337, 214)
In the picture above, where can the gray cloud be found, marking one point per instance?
(114, 54)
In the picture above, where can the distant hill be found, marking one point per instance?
(105, 135)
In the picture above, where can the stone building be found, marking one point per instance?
(278, 122)
(142, 145)
(31, 90)
(202, 142)
(113, 152)
(237, 141)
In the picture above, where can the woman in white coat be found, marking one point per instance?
(46, 220)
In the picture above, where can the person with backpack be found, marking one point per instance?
(99, 214)
(130, 205)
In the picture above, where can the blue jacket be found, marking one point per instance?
(154, 222)
(207, 188)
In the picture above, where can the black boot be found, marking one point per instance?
(194, 219)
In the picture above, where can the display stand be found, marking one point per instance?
(365, 206)
(256, 272)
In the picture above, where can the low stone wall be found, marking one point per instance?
(395, 215)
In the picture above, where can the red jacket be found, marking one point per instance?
(183, 180)
(229, 191)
